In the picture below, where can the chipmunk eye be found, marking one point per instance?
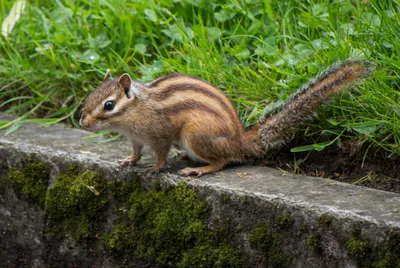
(109, 105)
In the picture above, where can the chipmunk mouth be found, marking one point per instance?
(95, 127)
(92, 128)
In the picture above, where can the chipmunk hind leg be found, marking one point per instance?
(217, 152)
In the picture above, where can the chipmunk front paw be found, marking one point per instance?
(150, 172)
(126, 162)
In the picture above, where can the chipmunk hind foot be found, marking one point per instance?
(200, 171)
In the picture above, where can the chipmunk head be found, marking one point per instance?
(105, 106)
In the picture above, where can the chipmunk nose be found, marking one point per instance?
(87, 122)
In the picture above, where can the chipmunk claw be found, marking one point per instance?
(148, 173)
(126, 162)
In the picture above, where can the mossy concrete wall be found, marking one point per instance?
(63, 202)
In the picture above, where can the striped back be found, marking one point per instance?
(186, 95)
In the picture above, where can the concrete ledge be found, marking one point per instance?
(271, 219)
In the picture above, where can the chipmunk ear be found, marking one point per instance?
(125, 82)
(108, 75)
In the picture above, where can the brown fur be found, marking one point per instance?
(196, 116)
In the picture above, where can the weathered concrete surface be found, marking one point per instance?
(249, 196)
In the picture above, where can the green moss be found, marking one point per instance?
(367, 255)
(244, 200)
(169, 227)
(203, 256)
(225, 198)
(267, 241)
(313, 242)
(284, 222)
(363, 252)
(360, 251)
(30, 181)
(391, 254)
(260, 238)
(325, 220)
(384, 254)
(389, 260)
(120, 190)
(304, 228)
(74, 204)
(119, 240)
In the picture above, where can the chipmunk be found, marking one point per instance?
(190, 113)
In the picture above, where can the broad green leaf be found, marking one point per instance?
(174, 33)
(267, 50)
(241, 52)
(90, 56)
(348, 28)
(150, 14)
(365, 127)
(157, 67)
(373, 19)
(255, 26)
(320, 44)
(386, 44)
(141, 48)
(102, 41)
(214, 33)
(224, 15)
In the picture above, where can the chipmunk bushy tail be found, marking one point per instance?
(276, 126)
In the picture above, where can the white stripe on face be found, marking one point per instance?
(119, 104)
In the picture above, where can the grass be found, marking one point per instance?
(258, 52)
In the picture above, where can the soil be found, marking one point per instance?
(349, 163)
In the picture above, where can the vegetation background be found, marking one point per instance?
(53, 53)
